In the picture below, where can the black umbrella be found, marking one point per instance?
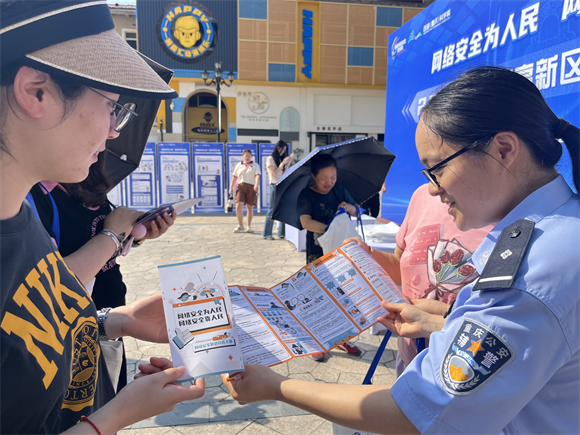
(362, 163)
(125, 152)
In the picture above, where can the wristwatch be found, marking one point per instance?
(101, 317)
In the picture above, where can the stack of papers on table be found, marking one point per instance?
(380, 233)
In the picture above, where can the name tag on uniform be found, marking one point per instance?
(475, 355)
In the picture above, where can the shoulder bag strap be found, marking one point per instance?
(55, 221)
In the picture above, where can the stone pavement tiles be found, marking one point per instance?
(249, 260)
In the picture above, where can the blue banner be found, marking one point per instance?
(539, 39)
(174, 173)
(207, 164)
(141, 187)
(266, 150)
(234, 155)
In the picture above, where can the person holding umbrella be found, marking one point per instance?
(63, 68)
(317, 205)
(361, 166)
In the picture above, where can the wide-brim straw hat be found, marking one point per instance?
(75, 38)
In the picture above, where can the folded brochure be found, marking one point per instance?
(215, 329)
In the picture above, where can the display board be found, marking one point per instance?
(207, 165)
(266, 150)
(174, 171)
(141, 185)
(234, 153)
(539, 39)
(115, 195)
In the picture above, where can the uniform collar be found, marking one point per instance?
(535, 207)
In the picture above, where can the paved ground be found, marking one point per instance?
(248, 259)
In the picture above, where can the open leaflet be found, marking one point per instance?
(323, 305)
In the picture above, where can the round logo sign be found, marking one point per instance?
(187, 32)
(258, 103)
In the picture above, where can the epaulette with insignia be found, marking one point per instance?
(503, 263)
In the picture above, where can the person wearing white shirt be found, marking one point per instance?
(245, 183)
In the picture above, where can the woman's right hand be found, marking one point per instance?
(231, 191)
(255, 384)
(121, 220)
(155, 394)
(359, 242)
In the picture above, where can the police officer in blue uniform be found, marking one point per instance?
(507, 359)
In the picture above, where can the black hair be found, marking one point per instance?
(276, 153)
(247, 150)
(321, 161)
(92, 191)
(69, 88)
(487, 100)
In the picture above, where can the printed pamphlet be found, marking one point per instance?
(199, 318)
(323, 305)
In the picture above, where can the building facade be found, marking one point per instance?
(307, 72)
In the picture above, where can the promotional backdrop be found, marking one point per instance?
(539, 39)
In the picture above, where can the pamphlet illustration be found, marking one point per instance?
(214, 328)
(199, 318)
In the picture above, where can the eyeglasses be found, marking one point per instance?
(428, 172)
(123, 113)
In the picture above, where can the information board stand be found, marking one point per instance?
(174, 171)
(115, 195)
(266, 150)
(141, 185)
(207, 164)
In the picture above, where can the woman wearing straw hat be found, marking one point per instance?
(63, 68)
(507, 359)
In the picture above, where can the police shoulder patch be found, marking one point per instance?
(475, 355)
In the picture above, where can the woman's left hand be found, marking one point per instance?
(256, 187)
(159, 225)
(143, 319)
(410, 321)
(349, 208)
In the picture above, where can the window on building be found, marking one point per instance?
(329, 139)
(360, 56)
(279, 72)
(254, 9)
(130, 35)
(389, 17)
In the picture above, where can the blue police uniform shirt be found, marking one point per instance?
(508, 360)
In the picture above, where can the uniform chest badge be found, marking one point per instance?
(475, 355)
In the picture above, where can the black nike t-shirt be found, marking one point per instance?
(51, 369)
